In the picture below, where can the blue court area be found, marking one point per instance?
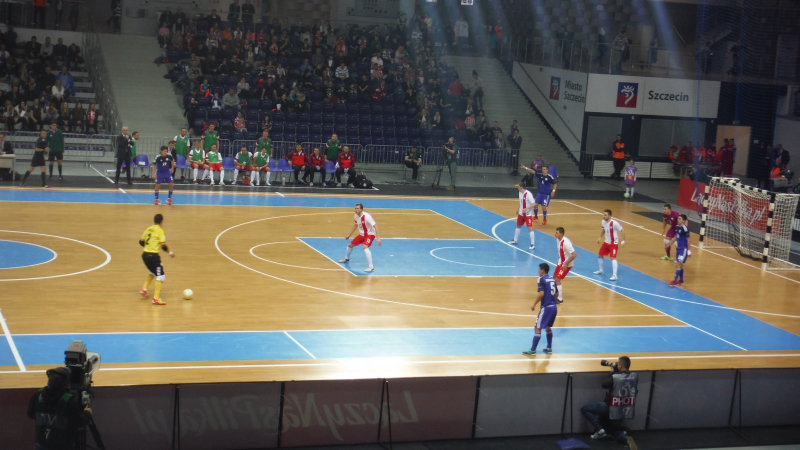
(22, 254)
(710, 326)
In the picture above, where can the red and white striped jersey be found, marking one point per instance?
(565, 251)
(612, 229)
(366, 224)
(525, 202)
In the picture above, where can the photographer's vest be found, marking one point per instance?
(622, 399)
(52, 421)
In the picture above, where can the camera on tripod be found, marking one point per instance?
(83, 365)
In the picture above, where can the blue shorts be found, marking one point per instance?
(542, 199)
(681, 255)
(163, 177)
(547, 316)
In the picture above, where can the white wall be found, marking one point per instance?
(653, 96)
(787, 133)
(560, 97)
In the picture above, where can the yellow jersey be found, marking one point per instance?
(153, 237)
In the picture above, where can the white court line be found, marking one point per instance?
(280, 194)
(494, 232)
(289, 265)
(108, 257)
(465, 264)
(11, 344)
(400, 361)
(299, 344)
(101, 174)
(55, 255)
(705, 249)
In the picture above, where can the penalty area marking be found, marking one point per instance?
(55, 255)
(462, 263)
(287, 265)
(108, 257)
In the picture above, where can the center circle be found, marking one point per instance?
(22, 254)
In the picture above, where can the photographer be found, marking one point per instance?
(621, 389)
(58, 413)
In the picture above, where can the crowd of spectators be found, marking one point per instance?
(37, 86)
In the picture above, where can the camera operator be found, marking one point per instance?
(621, 389)
(58, 413)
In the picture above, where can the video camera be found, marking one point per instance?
(83, 365)
(613, 364)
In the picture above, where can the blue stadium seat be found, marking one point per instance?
(253, 104)
(341, 130)
(364, 110)
(327, 119)
(377, 141)
(290, 128)
(291, 117)
(364, 121)
(316, 119)
(316, 105)
(251, 135)
(377, 121)
(266, 105)
(315, 129)
(253, 117)
(327, 108)
(340, 108)
(377, 131)
(327, 130)
(352, 108)
(303, 118)
(352, 119)
(400, 133)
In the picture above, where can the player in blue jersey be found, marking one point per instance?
(163, 166)
(548, 311)
(682, 252)
(547, 190)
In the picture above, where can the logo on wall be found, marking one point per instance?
(627, 95)
(555, 88)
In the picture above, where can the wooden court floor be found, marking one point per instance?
(286, 294)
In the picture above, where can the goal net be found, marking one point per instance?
(755, 222)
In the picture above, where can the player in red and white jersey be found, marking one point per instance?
(367, 232)
(524, 214)
(612, 236)
(566, 256)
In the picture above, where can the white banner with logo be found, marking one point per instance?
(619, 94)
(559, 95)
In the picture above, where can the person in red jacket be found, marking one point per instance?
(316, 163)
(297, 159)
(347, 164)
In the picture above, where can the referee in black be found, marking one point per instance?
(41, 148)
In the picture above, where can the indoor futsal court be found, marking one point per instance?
(448, 295)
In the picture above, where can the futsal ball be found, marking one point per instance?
(187, 294)
(626, 195)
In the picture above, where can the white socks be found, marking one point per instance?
(629, 191)
(349, 250)
(532, 238)
(516, 234)
(235, 175)
(600, 263)
(614, 266)
(205, 173)
(221, 175)
(253, 177)
(194, 172)
(369, 257)
(560, 291)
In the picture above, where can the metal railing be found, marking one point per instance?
(77, 147)
(74, 15)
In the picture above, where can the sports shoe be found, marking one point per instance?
(344, 260)
(22, 184)
(157, 203)
(233, 183)
(45, 186)
(632, 445)
(169, 201)
(598, 272)
(600, 434)
(157, 301)
(673, 283)
(268, 183)
(613, 278)
(680, 283)
(338, 184)
(370, 269)
(60, 178)
(531, 247)
(144, 293)
(451, 188)
(548, 350)
(529, 352)
(665, 258)
(535, 219)
(559, 300)
(194, 181)
(544, 222)
(222, 183)
(512, 242)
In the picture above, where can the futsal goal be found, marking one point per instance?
(757, 223)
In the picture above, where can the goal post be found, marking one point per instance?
(757, 223)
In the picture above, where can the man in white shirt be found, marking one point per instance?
(377, 60)
(524, 214)
(566, 256)
(58, 92)
(612, 236)
(367, 232)
(341, 72)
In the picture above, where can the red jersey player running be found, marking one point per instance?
(671, 219)
(524, 214)
(367, 232)
(566, 257)
(612, 233)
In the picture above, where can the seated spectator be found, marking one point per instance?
(239, 123)
(376, 96)
(316, 164)
(36, 115)
(342, 73)
(469, 110)
(51, 116)
(423, 118)
(301, 105)
(163, 35)
(66, 80)
(74, 56)
(60, 53)
(456, 87)
(78, 118)
(306, 68)
(9, 117)
(59, 94)
(33, 49)
(64, 117)
(297, 159)
(91, 119)
(347, 164)
(5, 146)
(231, 100)
(243, 88)
(176, 43)
(496, 129)
(47, 49)
(318, 59)
(499, 142)
(436, 121)
(413, 161)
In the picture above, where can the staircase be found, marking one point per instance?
(504, 103)
(145, 100)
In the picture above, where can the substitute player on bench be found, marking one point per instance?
(524, 215)
(367, 232)
(163, 166)
(566, 256)
(612, 236)
(682, 251)
(671, 220)
(153, 239)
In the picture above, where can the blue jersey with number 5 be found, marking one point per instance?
(548, 285)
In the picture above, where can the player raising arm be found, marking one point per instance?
(367, 232)
(611, 235)
(671, 221)
(524, 215)
(547, 190)
(566, 256)
(682, 251)
(153, 239)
